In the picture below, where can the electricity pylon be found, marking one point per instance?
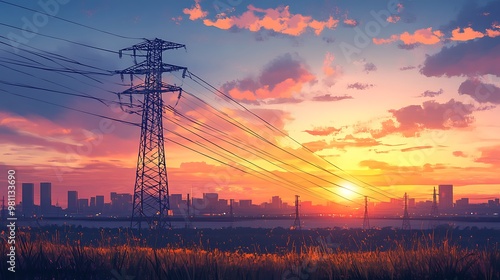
(296, 222)
(406, 217)
(434, 211)
(151, 197)
(366, 221)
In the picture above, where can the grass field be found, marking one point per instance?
(42, 256)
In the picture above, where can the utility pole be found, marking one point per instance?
(296, 223)
(406, 217)
(366, 221)
(151, 197)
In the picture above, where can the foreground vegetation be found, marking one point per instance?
(42, 256)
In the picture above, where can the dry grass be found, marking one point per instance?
(41, 258)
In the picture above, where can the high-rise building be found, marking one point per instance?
(276, 202)
(175, 200)
(92, 203)
(28, 198)
(99, 203)
(45, 197)
(73, 201)
(83, 205)
(445, 197)
(245, 203)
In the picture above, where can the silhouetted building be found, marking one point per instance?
(28, 199)
(276, 202)
(92, 203)
(121, 202)
(45, 197)
(83, 205)
(175, 200)
(245, 203)
(445, 197)
(99, 203)
(72, 201)
(463, 202)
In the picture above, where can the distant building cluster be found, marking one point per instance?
(211, 205)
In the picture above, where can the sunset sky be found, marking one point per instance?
(403, 95)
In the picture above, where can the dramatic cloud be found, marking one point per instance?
(472, 58)
(474, 16)
(369, 67)
(195, 12)
(430, 93)
(465, 35)
(323, 131)
(329, 98)
(281, 78)
(490, 155)
(424, 36)
(411, 120)
(479, 91)
(359, 86)
(279, 20)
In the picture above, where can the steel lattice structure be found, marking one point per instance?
(366, 220)
(406, 216)
(151, 196)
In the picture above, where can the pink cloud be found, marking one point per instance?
(195, 12)
(423, 36)
(279, 20)
(409, 121)
(281, 78)
(351, 22)
(467, 34)
(490, 155)
(393, 18)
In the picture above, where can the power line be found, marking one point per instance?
(272, 127)
(70, 21)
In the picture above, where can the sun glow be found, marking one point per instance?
(348, 191)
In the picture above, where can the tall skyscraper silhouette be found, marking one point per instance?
(28, 198)
(445, 197)
(45, 197)
(73, 201)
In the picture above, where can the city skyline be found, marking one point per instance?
(378, 99)
(446, 200)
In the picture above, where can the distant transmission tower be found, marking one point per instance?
(434, 209)
(406, 217)
(188, 206)
(231, 213)
(366, 221)
(296, 223)
(151, 197)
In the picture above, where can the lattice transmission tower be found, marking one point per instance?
(366, 220)
(296, 222)
(151, 197)
(406, 216)
(434, 209)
